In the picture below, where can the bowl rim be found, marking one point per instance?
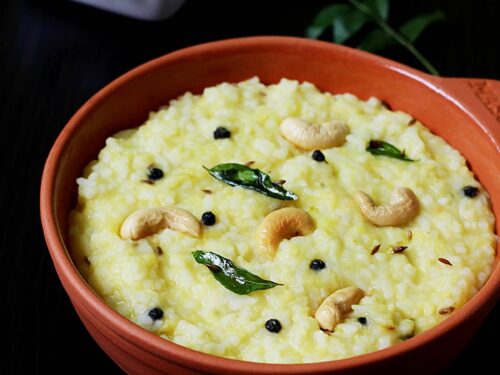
(187, 357)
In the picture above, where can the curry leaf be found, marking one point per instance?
(379, 7)
(386, 149)
(314, 32)
(412, 29)
(235, 174)
(376, 40)
(325, 18)
(348, 24)
(232, 277)
(348, 19)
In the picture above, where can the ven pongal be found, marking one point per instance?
(217, 227)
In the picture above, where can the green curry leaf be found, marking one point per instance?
(349, 18)
(232, 277)
(414, 27)
(347, 24)
(325, 18)
(386, 149)
(379, 7)
(235, 174)
(376, 40)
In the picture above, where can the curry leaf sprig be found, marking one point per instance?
(232, 277)
(349, 18)
(386, 149)
(235, 174)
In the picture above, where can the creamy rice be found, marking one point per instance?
(405, 292)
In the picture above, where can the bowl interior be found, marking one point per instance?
(126, 102)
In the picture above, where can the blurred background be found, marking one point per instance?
(54, 55)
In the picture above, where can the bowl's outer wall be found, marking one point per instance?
(126, 103)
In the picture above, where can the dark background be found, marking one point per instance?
(55, 54)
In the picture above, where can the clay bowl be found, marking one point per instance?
(465, 112)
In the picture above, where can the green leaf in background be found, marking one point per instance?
(347, 24)
(349, 18)
(376, 40)
(235, 174)
(412, 29)
(324, 19)
(232, 277)
(379, 7)
(376, 147)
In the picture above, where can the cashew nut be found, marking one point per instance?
(284, 223)
(148, 221)
(401, 209)
(314, 137)
(336, 306)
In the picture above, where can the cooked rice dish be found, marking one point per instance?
(404, 263)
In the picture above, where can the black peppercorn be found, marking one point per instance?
(155, 313)
(470, 191)
(154, 173)
(362, 320)
(317, 264)
(273, 325)
(318, 155)
(208, 218)
(221, 133)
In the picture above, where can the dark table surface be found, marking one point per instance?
(55, 54)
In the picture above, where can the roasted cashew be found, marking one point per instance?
(284, 223)
(148, 221)
(313, 137)
(336, 306)
(401, 209)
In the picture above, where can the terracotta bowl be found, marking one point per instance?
(465, 112)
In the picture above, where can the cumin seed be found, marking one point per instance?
(375, 249)
(446, 310)
(207, 191)
(412, 121)
(249, 163)
(386, 105)
(445, 261)
(399, 249)
(149, 182)
(159, 250)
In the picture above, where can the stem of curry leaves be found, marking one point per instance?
(395, 35)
